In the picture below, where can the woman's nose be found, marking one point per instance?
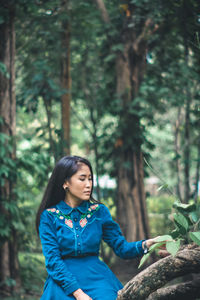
(88, 183)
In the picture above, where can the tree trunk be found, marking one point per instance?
(187, 108)
(187, 149)
(66, 82)
(184, 291)
(197, 179)
(9, 265)
(48, 108)
(131, 204)
(177, 152)
(146, 284)
(102, 8)
(96, 152)
(130, 69)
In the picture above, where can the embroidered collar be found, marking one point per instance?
(62, 212)
(66, 209)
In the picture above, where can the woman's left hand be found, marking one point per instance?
(151, 242)
(163, 252)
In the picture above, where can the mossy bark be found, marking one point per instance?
(147, 283)
(9, 265)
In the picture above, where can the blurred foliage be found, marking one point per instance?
(159, 209)
(32, 264)
(96, 109)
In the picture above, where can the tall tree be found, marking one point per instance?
(8, 251)
(178, 75)
(141, 25)
(177, 153)
(43, 62)
(130, 69)
(66, 78)
(184, 15)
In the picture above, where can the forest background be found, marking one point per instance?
(114, 81)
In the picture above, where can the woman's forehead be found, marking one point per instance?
(83, 168)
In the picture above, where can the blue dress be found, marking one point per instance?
(71, 240)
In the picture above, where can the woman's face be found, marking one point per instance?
(79, 186)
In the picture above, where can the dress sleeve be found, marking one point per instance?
(53, 261)
(112, 235)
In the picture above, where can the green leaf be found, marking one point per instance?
(194, 216)
(195, 237)
(155, 246)
(143, 259)
(110, 57)
(151, 249)
(5, 232)
(175, 233)
(182, 207)
(1, 20)
(118, 47)
(3, 70)
(181, 222)
(173, 246)
(163, 186)
(10, 282)
(164, 238)
(18, 225)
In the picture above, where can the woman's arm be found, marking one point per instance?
(112, 235)
(54, 263)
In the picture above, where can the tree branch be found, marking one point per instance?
(104, 13)
(82, 121)
(148, 29)
(184, 291)
(158, 274)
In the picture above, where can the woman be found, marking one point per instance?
(71, 225)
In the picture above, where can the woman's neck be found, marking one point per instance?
(72, 202)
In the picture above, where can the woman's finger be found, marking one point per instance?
(163, 253)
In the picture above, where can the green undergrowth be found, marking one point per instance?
(33, 275)
(185, 219)
(159, 209)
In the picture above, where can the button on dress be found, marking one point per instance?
(71, 240)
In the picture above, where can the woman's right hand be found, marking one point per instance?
(80, 295)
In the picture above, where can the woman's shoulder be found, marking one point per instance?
(46, 218)
(96, 205)
(100, 207)
(49, 212)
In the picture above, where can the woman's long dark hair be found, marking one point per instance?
(65, 168)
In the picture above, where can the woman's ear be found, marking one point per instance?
(65, 185)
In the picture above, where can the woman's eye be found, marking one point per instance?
(82, 179)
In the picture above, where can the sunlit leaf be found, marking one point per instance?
(195, 236)
(151, 249)
(143, 259)
(173, 247)
(164, 238)
(156, 246)
(163, 186)
(182, 207)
